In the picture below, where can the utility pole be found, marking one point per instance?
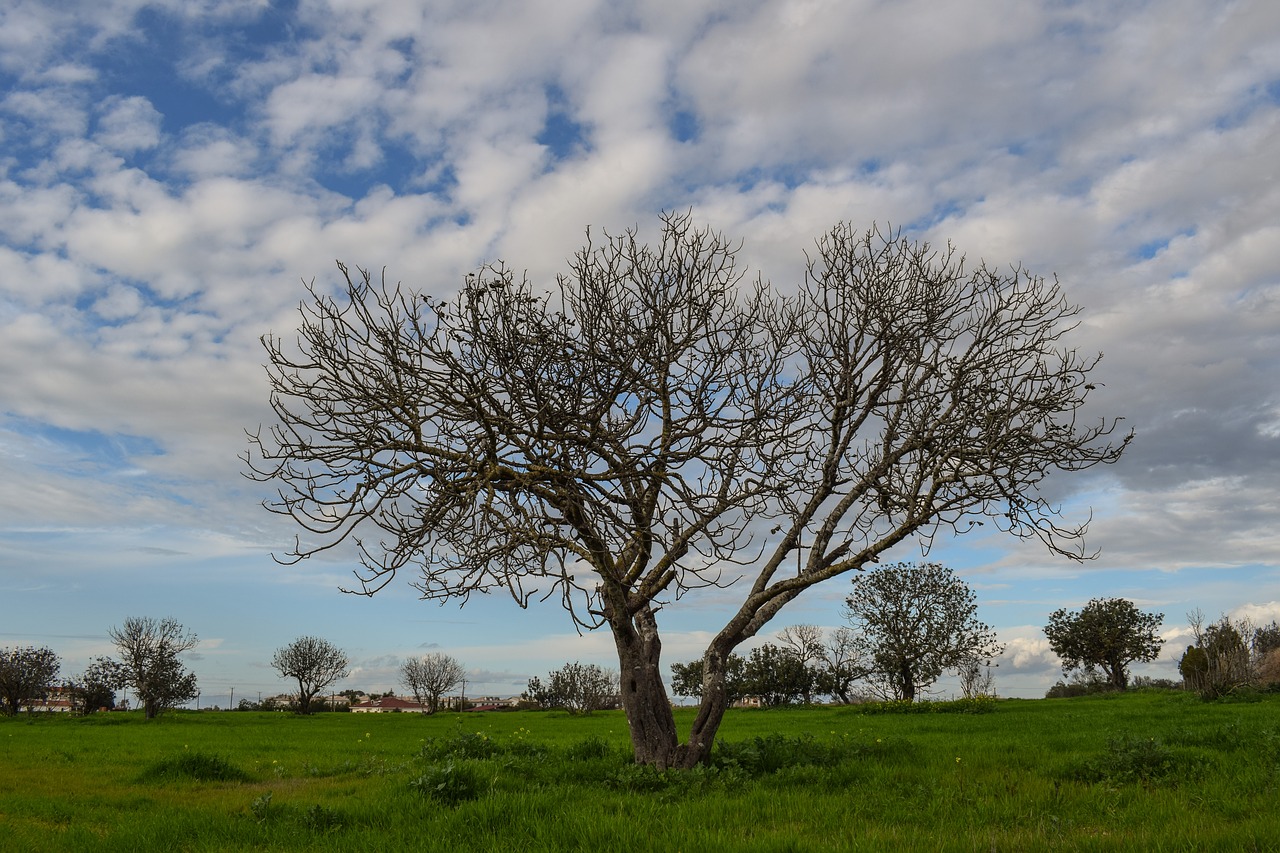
(233, 700)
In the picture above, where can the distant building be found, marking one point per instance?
(388, 705)
(58, 701)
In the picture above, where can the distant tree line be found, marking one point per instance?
(909, 624)
(1099, 642)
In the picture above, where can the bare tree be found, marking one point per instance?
(26, 674)
(916, 621)
(314, 663)
(805, 644)
(844, 662)
(430, 677)
(149, 650)
(976, 678)
(653, 427)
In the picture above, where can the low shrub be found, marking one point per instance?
(461, 745)
(589, 749)
(971, 705)
(1128, 759)
(194, 766)
(448, 783)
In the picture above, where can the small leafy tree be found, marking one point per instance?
(314, 663)
(1107, 634)
(26, 674)
(577, 688)
(687, 678)
(430, 677)
(1266, 637)
(95, 688)
(916, 621)
(777, 675)
(149, 650)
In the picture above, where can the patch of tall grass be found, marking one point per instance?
(1141, 771)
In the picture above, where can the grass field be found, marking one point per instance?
(1143, 771)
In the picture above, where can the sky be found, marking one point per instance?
(172, 172)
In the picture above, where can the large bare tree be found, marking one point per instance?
(315, 663)
(657, 423)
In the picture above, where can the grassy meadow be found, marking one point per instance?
(1142, 771)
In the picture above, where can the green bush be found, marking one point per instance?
(448, 783)
(194, 766)
(1129, 759)
(971, 705)
(589, 749)
(462, 745)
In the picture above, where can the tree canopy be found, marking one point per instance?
(915, 622)
(431, 676)
(314, 663)
(26, 674)
(1107, 634)
(149, 650)
(657, 423)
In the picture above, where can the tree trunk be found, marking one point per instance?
(907, 682)
(644, 696)
(715, 700)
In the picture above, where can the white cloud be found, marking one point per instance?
(128, 124)
(1132, 151)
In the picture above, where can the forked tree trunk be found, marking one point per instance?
(654, 739)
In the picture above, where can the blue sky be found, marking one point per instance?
(170, 172)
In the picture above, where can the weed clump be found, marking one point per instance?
(970, 705)
(1128, 760)
(589, 749)
(448, 783)
(473, 745)
(196, 767)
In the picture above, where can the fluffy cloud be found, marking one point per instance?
(163, 192)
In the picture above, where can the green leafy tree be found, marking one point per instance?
(614, 441)
(687, 678)
(1107, 634)
(777, 675)
(312, 662)
(96, 687)
(26, 675)
(1266, 638)
(149, 652)
(578, 688)
(916, 621)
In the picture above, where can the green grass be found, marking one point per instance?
(1150, 771)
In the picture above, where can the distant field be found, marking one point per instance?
(1146, 771)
